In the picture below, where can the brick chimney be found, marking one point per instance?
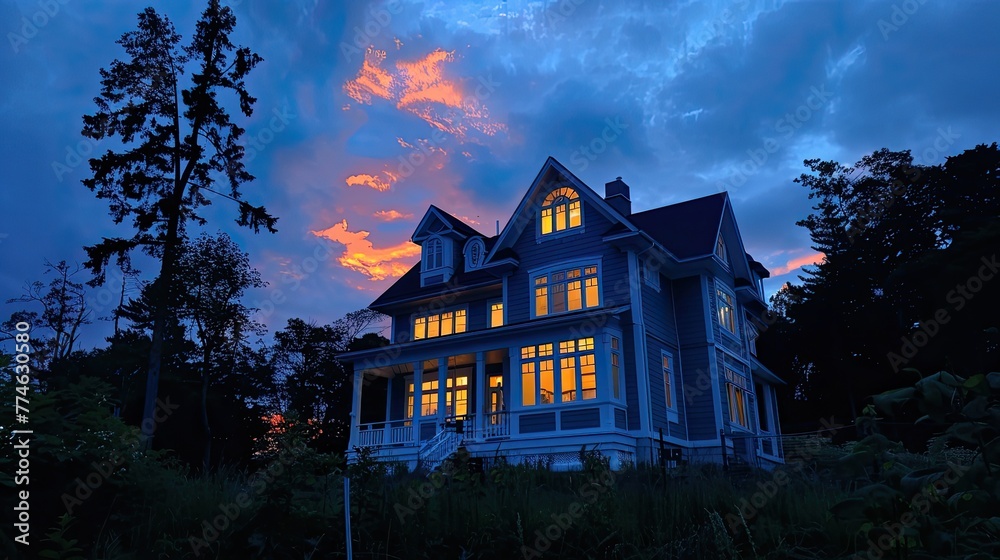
(617, 195)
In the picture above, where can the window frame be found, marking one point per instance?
(721, 290)
(440, 314)
(564, 267)
(669, 381)
(550, 210)
(428, 255)
(733, 388)
(555, 353)
(617, 378)
(490, 311)
(723, 255)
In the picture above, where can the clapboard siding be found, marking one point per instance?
(621, 419)
(695, 365)
(534, 255)
(580, 419)
(658, 389)
(631, 379)
(658, 310)
(531, 423)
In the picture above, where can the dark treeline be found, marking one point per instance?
(908, 287)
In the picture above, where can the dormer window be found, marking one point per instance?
(433, 254)
(561, 211)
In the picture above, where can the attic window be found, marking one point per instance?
(720, 250)
(561, 210)
(433, 254)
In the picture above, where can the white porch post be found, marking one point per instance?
(515, 400)
(356, 405)
(481, 406)
(418, 392)
(442, 377)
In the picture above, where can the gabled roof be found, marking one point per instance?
(408, 287)
(687, 229)
(551, 172)
(451, 222)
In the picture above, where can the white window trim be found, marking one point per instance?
(672, 414)
(719, 286)
(565, 265)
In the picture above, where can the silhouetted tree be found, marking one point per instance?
(177, 140)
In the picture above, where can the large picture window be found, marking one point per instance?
(567, 290)
(574, 368)
(439, 324)
(561, 210)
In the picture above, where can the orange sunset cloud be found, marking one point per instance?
(793, 264)
(360, 255)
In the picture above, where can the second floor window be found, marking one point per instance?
(439, 324)
(566, 290)
(496, 314)
(561, 210)
(727, 310)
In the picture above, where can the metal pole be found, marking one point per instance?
(347, 515)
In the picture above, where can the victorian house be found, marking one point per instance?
(581, 324)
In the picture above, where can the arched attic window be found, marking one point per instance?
(561, 210)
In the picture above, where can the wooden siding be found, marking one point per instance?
(621, 419)
(580, 419)
(531, 423)
(695, 365)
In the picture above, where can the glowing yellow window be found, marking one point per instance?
(567, 370)
(546, 382)
(528, 384)
(592, 297)
(588, 377)
(496, 314)
(419, 328)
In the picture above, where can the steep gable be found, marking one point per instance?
(553, 174)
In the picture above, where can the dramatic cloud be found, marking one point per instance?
(458, 104)
(391, 215)
(361, 256)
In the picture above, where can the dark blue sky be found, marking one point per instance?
(369, 112)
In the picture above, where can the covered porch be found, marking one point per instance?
(413, 403)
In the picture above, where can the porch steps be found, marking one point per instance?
(439, 448)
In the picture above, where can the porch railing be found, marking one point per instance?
(496, 424)
(384, 433)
